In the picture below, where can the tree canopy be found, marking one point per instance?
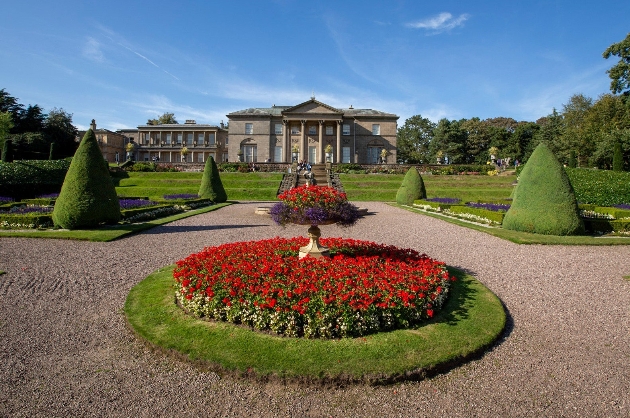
(166, 119)
(619, 73)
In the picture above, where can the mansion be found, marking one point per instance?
(311, 131)
(282, 134)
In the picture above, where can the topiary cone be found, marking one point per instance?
(88, 196)
(412, 188)
(211, 185)
(544, 201)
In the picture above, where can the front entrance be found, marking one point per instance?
(374, 155)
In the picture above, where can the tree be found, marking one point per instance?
(576, 135)
(59, 130)
(550, 131)
(544, 201)
(88, 196)
(412, 188)
(617, 158)
(7, 151)
(211, 185)
(6, 124)
(478, 138)
(619, 73)
(450, 138)
(166, 119)
(413, 140)
(31, 120)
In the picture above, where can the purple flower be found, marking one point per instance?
(447, 200)
(5, 199)
(621, 206)
(495, 207)
(135, 203)
(49, 196)
(30, 209)
(180, 196)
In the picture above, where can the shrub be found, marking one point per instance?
(30, 178)
(544, 201)
(88, 196)
(7, 151)
(412, 188)
(600, 187)
(617, 157)
(211, 185)
(572, 159)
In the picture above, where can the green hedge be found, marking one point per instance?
(128, 213)
(600, 187)
(30, 178)
(605, 226)
(492, 215)
(436, 205)
(26, 220)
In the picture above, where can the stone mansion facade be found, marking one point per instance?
(278, 134)
(282, 134)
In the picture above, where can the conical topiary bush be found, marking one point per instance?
(211, 185)
(412, 188)
(544, 201)
(88, 196)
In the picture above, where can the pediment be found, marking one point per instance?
(311, 107)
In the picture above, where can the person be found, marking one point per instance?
(308, 167)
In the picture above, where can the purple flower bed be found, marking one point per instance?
(621, 206)
(49, 196)
(5, 199)
(447, 200)
(495, 207)
(135, 203)
(180, 196)
(21, 210)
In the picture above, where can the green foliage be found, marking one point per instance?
(572, 159)
(600, 187)
(166, 118)
(88, 197)
(544, 202)
(617, 157)
(7, 151)
(620, 73)
(413, 140)
(211, 185)
(412, 188)
(26, 178)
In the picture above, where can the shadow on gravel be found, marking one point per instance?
(171, 229)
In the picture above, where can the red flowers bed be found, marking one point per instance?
(363, 288)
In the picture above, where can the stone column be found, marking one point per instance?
(320, 148)
(339, 127)
(286, 142)
(303, 144)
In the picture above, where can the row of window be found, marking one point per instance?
(179, 138)
(177, 158)
(250, 154)
(312, 129)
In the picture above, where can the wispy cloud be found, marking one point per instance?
(92, 50)
(440, 23)
(146, 59)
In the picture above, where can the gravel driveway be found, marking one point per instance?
(65, 349)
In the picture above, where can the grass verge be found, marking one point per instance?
(525, 237)
(106, 233)
(470, 322)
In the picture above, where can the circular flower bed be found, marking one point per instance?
(363, 288)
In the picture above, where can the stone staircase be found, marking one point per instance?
(319, 176)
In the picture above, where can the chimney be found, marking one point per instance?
(93, 125)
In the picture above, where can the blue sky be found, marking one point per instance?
(122, 63)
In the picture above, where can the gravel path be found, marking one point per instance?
(65, 349)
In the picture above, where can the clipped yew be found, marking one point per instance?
(544, 201)
(88, 196)
(412, 188)
(211, 185)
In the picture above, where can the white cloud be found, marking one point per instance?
(92, 50)
(440, 23)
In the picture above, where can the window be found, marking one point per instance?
(249, 128)
(312, 130)
(278, 129)
(346, 129)
(200, 139)
(227, 140)
(157, 138)
(200, 157)
(295, 129)
(147, 138)
(376, 129)
(225, 157)
(249, 153)
(211, 139)
(345, 155)
(168, 139)
(179, 139)
(277, 155)
(189, 138)
(329, 130)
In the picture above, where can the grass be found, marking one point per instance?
(525, 237)
(471, 321)
(106, 233)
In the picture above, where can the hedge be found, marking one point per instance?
(25, 221)
(600, 187)
(492, 215)
(30, 178)
(605, 226)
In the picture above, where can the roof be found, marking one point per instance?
(278, 111)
